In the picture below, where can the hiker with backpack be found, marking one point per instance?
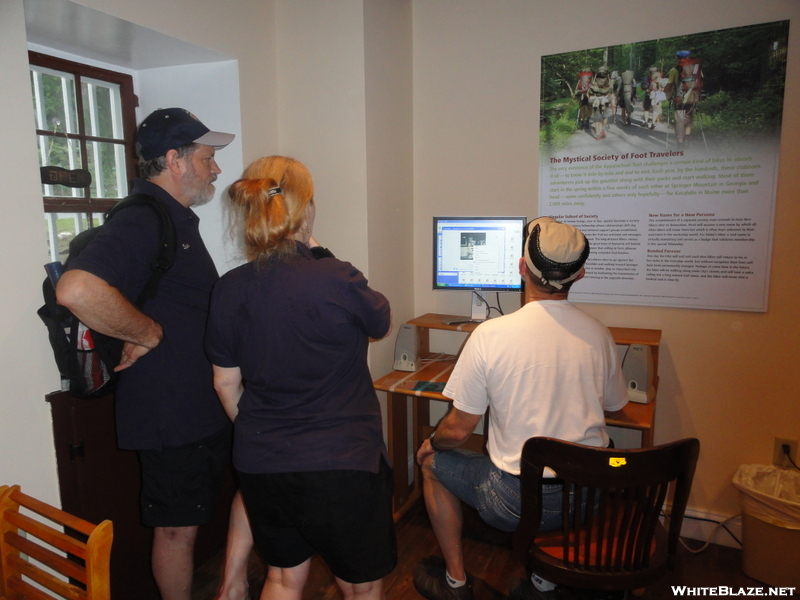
(581, 93)
(616, 86)
(166, 407)
(685, 81)
(627, 94)
(653, 97)
(599, 95)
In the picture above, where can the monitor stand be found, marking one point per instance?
(479, 311)
(480, 308)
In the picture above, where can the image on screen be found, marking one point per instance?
(477, 253)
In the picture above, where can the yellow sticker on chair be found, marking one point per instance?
(616, 462)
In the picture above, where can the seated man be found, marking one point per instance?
(548, 369)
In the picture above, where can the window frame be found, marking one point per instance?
(128, 100)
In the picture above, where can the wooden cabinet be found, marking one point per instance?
(98, 481)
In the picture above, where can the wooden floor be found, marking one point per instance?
(487, 553)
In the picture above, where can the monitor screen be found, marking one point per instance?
(477, 253)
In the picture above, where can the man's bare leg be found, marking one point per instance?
(237, 554)
(444, 511)
(173, 561)
(285, 584)
(372, 590)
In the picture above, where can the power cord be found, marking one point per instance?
(720, 524)
(787, 451)
(490, 308)
(497, 297)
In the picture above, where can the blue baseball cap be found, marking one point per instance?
(168, 129)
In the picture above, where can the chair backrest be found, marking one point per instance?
(3, 490)
(617, 541)
(51, 552)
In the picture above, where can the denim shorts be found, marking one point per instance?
(474, 479)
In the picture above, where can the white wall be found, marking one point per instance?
(27, 368)
(211, 92)
(189, 86)
(390, 162)
(345, 110)
(318, 114)
(321, 115)
(317, 81)
(726, 377)
(241, 30)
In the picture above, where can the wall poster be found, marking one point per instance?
(665, 153)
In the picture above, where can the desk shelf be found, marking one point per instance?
(437, 321)
(436, 367)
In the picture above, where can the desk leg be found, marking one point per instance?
(397, 426)
(421, 416)
(647, 438)
(649, 433)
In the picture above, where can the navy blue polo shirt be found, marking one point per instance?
(167, 397)
(298, 329)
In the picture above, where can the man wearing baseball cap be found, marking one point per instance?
(166, 407)
(548, 369)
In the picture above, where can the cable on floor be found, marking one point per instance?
(720, 524)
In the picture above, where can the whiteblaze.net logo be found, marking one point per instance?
(723, 590)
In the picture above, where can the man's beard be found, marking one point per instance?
(201, 192)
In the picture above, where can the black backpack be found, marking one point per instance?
(85, 357)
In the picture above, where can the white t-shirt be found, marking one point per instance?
(548, 369)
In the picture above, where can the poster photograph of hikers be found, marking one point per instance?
(665, 153)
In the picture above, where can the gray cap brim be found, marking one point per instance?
(216, 139)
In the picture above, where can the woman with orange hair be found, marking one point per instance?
(288, 335)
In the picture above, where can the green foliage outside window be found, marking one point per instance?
(91, 131)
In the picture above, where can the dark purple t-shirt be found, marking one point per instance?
(298, 329)
(167, 398)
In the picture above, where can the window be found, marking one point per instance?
(85, 119)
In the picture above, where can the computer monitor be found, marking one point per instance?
(478, 254)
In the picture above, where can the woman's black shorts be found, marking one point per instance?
(344, 516)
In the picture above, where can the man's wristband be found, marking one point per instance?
(433, 444)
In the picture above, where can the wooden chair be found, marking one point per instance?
(3, 489)
(618, 542)
(53, 555)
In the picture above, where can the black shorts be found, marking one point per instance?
(344, 516)
(181, 485)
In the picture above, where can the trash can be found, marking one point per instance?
(770, 498)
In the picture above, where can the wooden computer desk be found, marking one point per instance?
(400, 385)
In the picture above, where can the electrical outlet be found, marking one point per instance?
(779, 457)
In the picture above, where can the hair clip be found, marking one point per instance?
(274, 191)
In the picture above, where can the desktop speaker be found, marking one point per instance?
(637, 368)
(406, 349)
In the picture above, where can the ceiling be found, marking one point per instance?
(69, 27)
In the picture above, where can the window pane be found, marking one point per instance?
(59, 152)
(54, 100)
(61, 228)
(101, 108)
(107, 166)
(107, 107)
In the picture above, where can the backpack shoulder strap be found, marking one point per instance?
(168, 241)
